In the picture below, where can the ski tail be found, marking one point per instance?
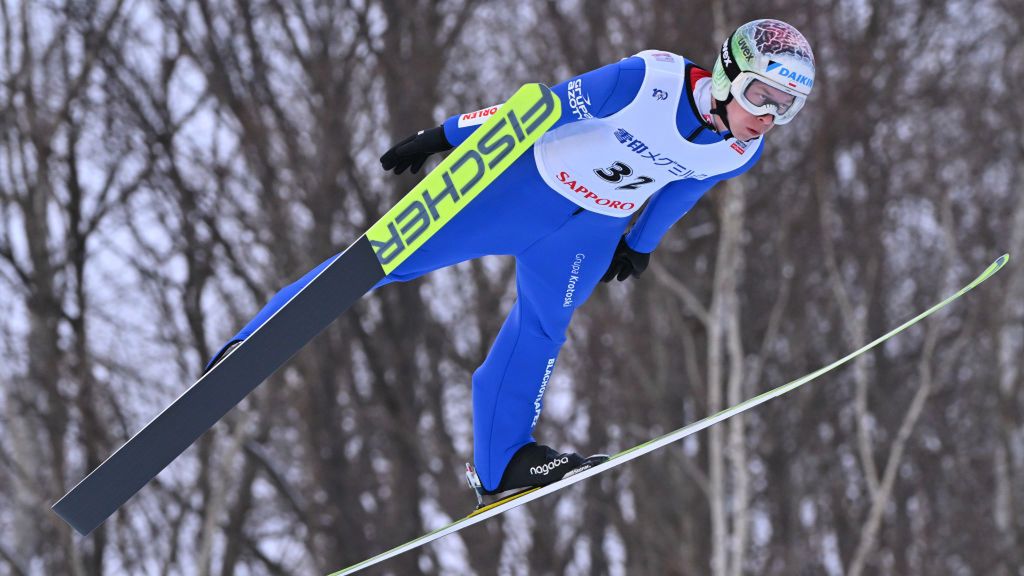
(457, 180)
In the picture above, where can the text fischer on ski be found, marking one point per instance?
(654, 128)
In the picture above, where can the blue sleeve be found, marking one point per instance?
(670, 204)
(595, 94)
(664, 209)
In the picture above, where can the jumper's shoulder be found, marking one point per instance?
(631, 63)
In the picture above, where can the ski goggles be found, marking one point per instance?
(759, 96)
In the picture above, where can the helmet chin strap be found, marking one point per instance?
(718, 109)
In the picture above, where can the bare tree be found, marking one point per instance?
(165, 167)
(62, 179)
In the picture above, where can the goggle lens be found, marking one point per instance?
(761, 95)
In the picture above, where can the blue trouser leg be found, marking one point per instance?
(273, 305)
(554, 276)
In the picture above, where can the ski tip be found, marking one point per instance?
(990, 271)
(997, 265)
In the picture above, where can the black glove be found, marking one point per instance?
(626, 262)
(413, 151)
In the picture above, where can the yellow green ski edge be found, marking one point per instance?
(790, 386)
(501, 501)
(652, 445)
(463, 174)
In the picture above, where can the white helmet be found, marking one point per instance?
(760, 59)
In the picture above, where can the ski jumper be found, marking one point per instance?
(634, 132)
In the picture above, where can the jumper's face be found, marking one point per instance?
(745, 125)
(754, 111)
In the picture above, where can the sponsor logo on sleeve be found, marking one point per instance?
(659, 94)
(578, 102)
(663, 57)
(478, 117)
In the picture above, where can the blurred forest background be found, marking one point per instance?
(166, 166)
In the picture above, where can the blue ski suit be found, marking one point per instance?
(562, 250)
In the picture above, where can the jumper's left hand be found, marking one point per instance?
(626, 262)
(412, 152)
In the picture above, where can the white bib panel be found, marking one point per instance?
(613, 165)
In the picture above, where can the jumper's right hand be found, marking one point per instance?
(413, 151)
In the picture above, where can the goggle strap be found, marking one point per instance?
(732, 69)
(718, 108)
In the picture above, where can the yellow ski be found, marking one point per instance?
(531, 494)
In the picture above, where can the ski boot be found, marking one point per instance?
(531, 467)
